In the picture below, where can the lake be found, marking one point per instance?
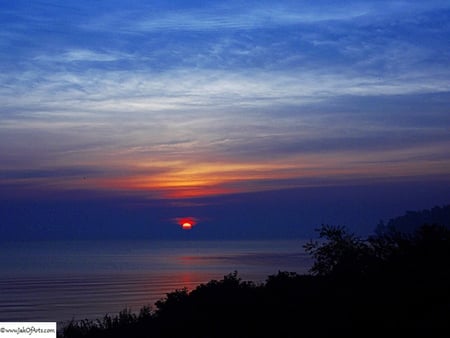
(60, 281)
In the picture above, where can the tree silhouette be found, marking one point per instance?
(338, 252)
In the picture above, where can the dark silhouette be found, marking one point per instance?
(412, 220)
(391, 283)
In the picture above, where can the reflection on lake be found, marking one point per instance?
(64, 280)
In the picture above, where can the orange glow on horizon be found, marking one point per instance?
(201, 179)
(193, 178)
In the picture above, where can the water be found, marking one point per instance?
(60, 281)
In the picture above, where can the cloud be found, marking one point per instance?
(233, 15)
(83, 55)
(49, 173)
(182, 110)
(94, 93)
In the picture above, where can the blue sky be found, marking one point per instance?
(181, 100)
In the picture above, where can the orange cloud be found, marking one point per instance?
(193, 177)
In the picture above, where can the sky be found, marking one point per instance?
(255, 118)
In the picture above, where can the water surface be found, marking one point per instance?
(59, 281)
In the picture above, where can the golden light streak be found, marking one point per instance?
(191, 177)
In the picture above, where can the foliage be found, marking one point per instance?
(124, 324)
(340, 253)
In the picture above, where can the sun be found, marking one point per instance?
(186, 226)
(186, 223)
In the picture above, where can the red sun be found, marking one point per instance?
(186, 223)
(186, 226)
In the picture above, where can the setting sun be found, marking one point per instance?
(186, 226)
(186, 223)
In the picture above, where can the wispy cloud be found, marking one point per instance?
(254, 15)
(83, 55)
(94, 93)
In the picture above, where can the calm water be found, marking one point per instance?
(48, 281)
